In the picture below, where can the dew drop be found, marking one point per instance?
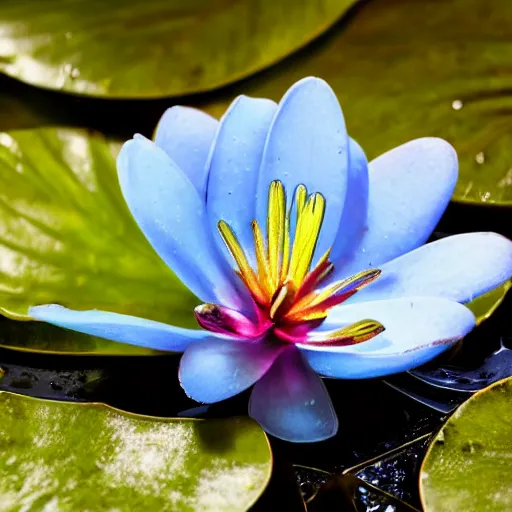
(75, 73)
(480, 158)
(457, 104)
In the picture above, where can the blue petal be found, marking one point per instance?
(307, 144)
(353, 222)
(459, 268)
(410, 187)
(417, 329)
(234, 166)
(171, 214)
(121, 328)
(291, 402)
(186, 135)
(217, 370)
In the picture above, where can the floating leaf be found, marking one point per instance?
(403, 72)
(67, 456)
(67, 237)
(469, 464)
(133, 49)
(485, 305)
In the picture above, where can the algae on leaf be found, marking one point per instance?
(68, 456)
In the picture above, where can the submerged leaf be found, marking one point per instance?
(67, 237)
(403, 72)
(67, 456)
(469, 464)
(134, 49)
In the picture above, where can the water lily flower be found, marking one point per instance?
(309, 261)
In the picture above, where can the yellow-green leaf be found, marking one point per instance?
(136, 49)
(67, 237)
(404, 69)
(485, 305)
(69, 456)
(469, 464)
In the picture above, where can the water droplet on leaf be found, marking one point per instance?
(457, 104)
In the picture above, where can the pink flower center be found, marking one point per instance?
(289, 301)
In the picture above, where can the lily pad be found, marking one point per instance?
(469, 464)
(485, 305)
(67, 237)
(67, 456)
(401, 72)
(134, 49)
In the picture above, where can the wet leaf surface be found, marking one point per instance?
(469, 464)
(68, 456)
(133, 49)
(407, 68)
(67, 237)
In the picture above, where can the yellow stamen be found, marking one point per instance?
(352, 283)
(261, 259)
(300, 199)
(350, 334)
(283, 284)
(278, 301)
(275, 229)
(246, 272)
(286, 249)
(309, 222)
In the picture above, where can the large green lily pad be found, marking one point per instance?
(67, 237)
(404, 69)
(67, 456)
(469, 464)
(134, 49)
